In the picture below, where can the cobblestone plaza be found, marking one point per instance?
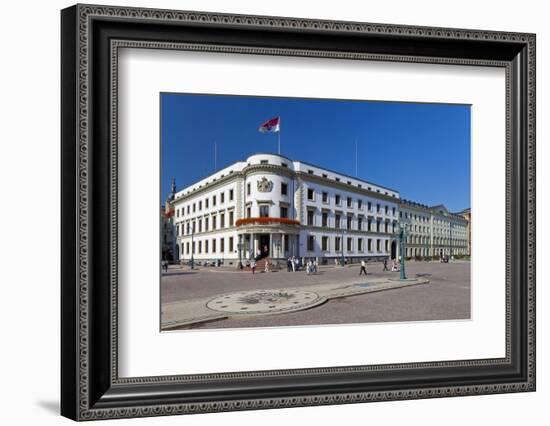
(437, 291)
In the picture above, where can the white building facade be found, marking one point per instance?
(433, 231)
(271, 206)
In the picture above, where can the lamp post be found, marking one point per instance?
(401, 236)
(427, 247)
(343, 259)
(240, 247)
(192, 246)
(450, 239)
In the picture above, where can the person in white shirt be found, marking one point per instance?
(363, 267)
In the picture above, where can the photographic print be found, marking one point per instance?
(320, 191)
(295, 211)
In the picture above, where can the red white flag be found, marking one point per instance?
(271, 125)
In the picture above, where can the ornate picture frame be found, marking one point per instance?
(90, 38)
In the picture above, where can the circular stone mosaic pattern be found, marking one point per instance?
(265, 301)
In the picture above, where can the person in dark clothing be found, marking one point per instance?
(386, 265)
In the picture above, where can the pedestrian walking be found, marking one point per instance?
(289, 264)
(266, 269)
(363, 267)
(253, 266)
(385, 265)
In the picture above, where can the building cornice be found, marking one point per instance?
(207, 187)
(346, 187)
(405, 204)
(267, 168)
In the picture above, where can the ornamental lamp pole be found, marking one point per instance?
(402, 235)
(343, 259)
(240, 247)
(192, 246)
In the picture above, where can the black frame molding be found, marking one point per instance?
(90, 386)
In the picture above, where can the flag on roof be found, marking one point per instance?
(271, 125)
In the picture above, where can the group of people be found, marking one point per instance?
(311, 266)
(294, 264)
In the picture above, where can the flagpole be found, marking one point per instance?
(279, 136)
(215, 156)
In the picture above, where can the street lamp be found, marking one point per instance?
(192, 245)
(450, 239)
(343, 259)
(240, 246)
(401, 235)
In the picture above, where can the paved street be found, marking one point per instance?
(447, 296)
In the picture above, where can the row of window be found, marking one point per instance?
(412, 251)
(412, 216)
(446, 232)
(217, 221)
(437, 240)
(349, 222)
(446, 241)
(440, 231)
(264, 211)
(206, 202)
(421, 218)
(335, 244)
(205, 224)
(338, 199)
(208, 246)
(447, 222)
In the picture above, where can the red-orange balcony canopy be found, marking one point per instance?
(266, 221)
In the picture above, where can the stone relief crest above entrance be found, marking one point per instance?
(265, 185)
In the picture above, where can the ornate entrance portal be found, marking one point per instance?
(261, 237)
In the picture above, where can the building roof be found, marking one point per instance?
(240, 165)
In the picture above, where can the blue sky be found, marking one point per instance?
(421, 150)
